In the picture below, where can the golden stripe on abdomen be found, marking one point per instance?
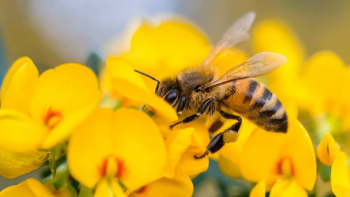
(254, 101)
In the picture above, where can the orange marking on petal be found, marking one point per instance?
(121, 168)
(285, 167)
(142, 190)
(112, 167)
(52, 118)
(103, 167)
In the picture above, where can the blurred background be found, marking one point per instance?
(56, 32)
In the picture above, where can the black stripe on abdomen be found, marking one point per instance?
(269, 112)
(250, 92)
(260, 102)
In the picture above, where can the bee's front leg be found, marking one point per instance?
(204, 106)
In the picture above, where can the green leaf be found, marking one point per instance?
(325, 172)
(94, 61)
(62, 176)
(52, 163)
(56, 153)
(85, 192)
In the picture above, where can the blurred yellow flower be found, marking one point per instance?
(326, 78)
(33, 188)
(317, 85)
(40, 112)
(286, 162)
(108, 147)
(327, 150)
(278, 36)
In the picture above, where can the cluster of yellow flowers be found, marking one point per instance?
(115, 149)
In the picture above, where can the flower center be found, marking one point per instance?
(111, 167)
(52, 118)
(285, 167)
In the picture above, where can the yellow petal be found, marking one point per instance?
(260, 154)
(64, 89)
(300, 150)
(324, 65)
(28, 188)
(259, 189)
(104, 189)
(19, 133)
(230, 154)
(277, 36)
(89, 146)
(327, 150)
(13, 164)
(229, 168)
(200, 140)
(287, 188)
(8, 77)
(179, 185)
(340, 176)
(68, 123)
(170, 46)
(182, 145)
(21, 87)
(130, 84)
(139, 146)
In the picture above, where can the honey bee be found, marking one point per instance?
(201, 90)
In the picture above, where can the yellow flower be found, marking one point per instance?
(108, 147)
(33, 188)
(327, 150)
(340, 176)
(182, 144)
(40, 112)
(329, 154)
(285, 161)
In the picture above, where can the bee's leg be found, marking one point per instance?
(229, 135)
(200, 111)
(181, 105)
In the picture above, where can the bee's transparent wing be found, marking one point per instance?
(237, 33)
(260, 64)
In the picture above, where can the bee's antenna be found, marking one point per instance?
(150, 78)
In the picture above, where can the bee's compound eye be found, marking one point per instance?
(171, 97)
(198, 88)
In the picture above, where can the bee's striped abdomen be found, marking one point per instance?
(254, 101)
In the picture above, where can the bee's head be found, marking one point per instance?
(169, 91)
